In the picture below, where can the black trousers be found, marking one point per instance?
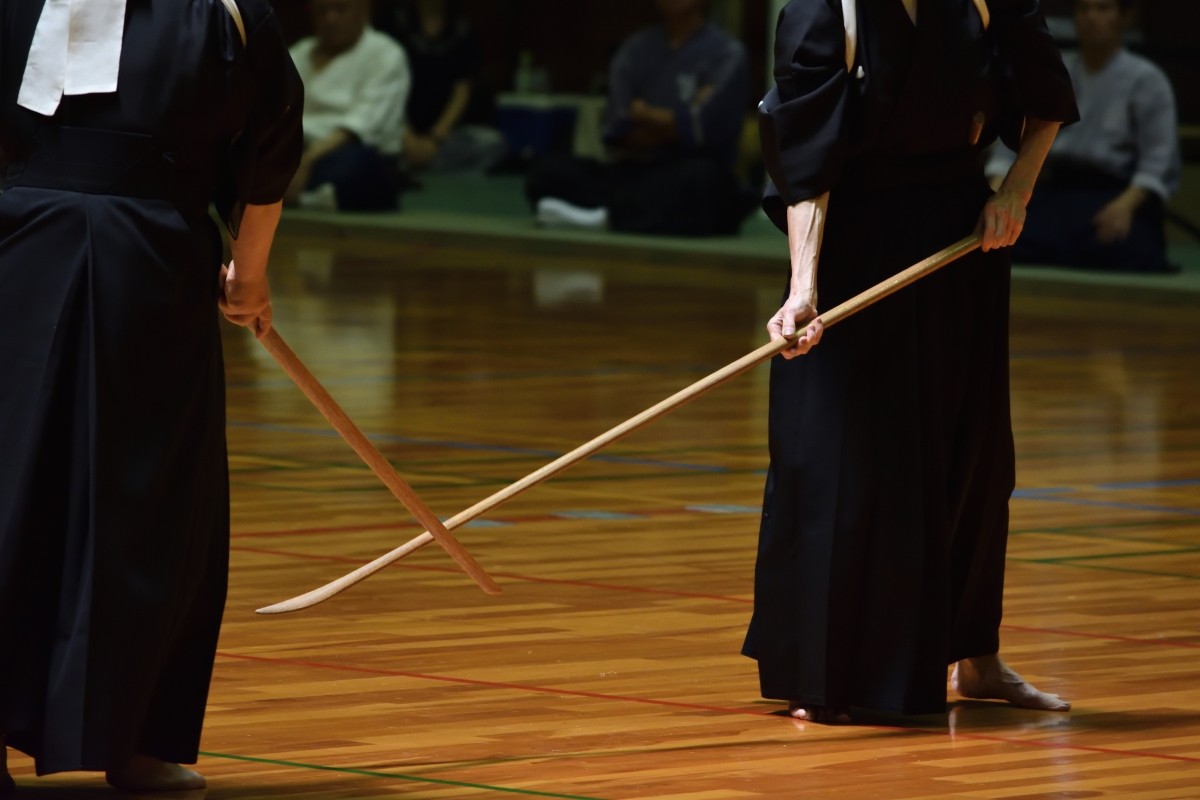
(363, 179)
(1059, 228)
(686, 195)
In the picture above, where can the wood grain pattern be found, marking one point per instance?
(759, 355)
(609, 668)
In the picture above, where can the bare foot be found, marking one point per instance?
(989, 678)
(145, 774)
(818, 714)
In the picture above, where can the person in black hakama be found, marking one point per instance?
(114, 516)
(884, 524)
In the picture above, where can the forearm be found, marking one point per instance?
(252, 247)
(1132, 198)
(653, 126)
(806, 227)
(323, 147)
(452, 113)
(1035, 146)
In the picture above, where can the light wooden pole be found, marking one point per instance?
(746, 362)
(374, 459)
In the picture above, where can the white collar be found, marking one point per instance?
(76, 49)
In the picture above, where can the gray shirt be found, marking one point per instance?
(646, 67)
(1127, 126)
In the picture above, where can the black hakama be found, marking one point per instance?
(882, 540)
(114, 514)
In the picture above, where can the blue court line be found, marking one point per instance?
(486, 523)
(717, 508)
(1030, 355)
(376, 380)
(1177, 484)
(1033, 494)
(598, 515)
(1049, 493)
(329, 433)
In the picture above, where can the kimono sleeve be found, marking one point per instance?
(1033, 81)
(266, 152)
(803, 117)
(1152, 107)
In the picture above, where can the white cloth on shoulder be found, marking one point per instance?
(76, 49)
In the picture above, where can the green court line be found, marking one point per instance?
(1104, 568)
(366, 773)
(1083, 530)
(1097, 556)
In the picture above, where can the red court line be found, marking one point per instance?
(358, 562)
(689, 706)
(489, 684)
(337, 529)
(673, 593)
(510, 575)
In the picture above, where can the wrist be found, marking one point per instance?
(1020, 191)
(805, 295)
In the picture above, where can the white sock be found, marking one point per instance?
(555, 213)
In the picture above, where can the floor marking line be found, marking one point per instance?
(394, 776)
(691, 706)
(699, 596)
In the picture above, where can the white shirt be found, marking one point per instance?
(1127, 126)
(363, 90)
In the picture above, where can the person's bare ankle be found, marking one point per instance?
(146, 774)
(989, 678)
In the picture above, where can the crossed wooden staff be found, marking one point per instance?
(437, 531)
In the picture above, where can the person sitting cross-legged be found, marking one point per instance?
(677, 100)
(1099, 203)
(356, 84)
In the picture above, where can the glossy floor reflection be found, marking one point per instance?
(609, 668)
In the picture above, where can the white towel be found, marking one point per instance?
(76, 49)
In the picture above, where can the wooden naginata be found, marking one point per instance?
(370, 455)
(746, 362)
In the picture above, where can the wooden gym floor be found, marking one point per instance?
(609, 667)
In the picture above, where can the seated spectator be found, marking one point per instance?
(449, 107)
(676, 106)
(355, 83)
(1099, 202)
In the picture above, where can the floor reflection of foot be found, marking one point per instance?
(969, 717)
(144, 774)
(989, 678)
